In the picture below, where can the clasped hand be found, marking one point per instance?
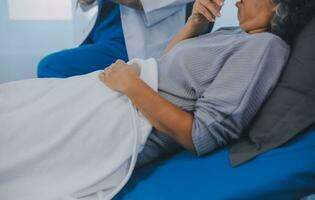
(120, 76)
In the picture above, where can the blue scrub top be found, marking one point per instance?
(108, 25)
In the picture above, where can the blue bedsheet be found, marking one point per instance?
(284, 173)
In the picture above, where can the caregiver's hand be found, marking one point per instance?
(120, 76)
(206, 10)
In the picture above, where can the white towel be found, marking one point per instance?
(69, 138)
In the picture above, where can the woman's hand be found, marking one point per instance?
(162, 114)
(205, 11)
(120, 76)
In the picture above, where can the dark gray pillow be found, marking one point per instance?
(291, 107)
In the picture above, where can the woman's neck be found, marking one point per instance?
(258, 30)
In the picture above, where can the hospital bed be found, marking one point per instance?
(187, 177)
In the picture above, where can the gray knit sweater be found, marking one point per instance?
(222, 78)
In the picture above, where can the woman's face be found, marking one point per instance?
(255, 15)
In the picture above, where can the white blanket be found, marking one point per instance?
(69, 138)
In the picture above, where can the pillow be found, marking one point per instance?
(291, 107)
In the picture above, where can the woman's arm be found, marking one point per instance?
(162, 114)
(204, 12)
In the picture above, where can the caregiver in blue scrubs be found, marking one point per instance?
(124, 29)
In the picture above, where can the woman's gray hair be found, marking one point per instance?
(290, 17)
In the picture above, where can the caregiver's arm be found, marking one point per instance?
(162, 114)
(204, 12)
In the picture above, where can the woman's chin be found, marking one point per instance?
(243, 27)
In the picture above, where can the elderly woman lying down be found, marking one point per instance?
(79, 138)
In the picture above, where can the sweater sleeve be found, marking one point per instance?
(246, 79)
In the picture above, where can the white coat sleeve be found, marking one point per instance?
(157, 10)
